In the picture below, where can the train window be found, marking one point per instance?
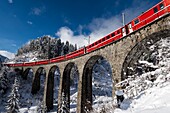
(108, 37)
(155, 9)
(112, 34)
(161, 6)
(130, 26)
(123, 30)
(103, 39)
(136, 21)
(93, 44)
(118, 32)
(99, 41)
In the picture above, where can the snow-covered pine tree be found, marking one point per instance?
(64, 108)
(59, 47)
(75, 47)
(71, 48)
(0, 64)
(13, 101)
(41, 108)
(66, 48)
(3, 81)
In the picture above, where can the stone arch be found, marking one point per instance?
(86, 97)
(25, 73)
(138, 49)
(66, 85)
(50, 87)
(36, 80)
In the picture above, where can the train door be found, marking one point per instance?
(127, 30)
(123, 31)
(130, 28)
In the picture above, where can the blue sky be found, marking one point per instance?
(73, 20)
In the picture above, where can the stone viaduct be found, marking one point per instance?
(119, 54)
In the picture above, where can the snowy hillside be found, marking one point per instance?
(26, 57)
(43, 47)
(2, 58)
(153, 100)
(7, 54)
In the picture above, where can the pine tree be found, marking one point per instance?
(0, 64)
(75, 48)
(13, 101)
(59, 47)
(66, 48)
(3, 81)
(64, 107)
(71, 48)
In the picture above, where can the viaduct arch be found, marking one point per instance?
(140, 48)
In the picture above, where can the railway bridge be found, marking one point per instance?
(120, 54)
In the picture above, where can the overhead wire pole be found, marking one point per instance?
(123, 19)
(49, 49)
(88, 39)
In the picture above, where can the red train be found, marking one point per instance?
(157, 11)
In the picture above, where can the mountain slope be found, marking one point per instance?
(7, 54)
(2, 58)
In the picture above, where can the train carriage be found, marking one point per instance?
(42, 62)
(167, 3)
(18, 65)
(75, 53)
(151, 15)
(29, 63)
(105, 40)
(57, 59)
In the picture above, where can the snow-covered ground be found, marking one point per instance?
(152, 100)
